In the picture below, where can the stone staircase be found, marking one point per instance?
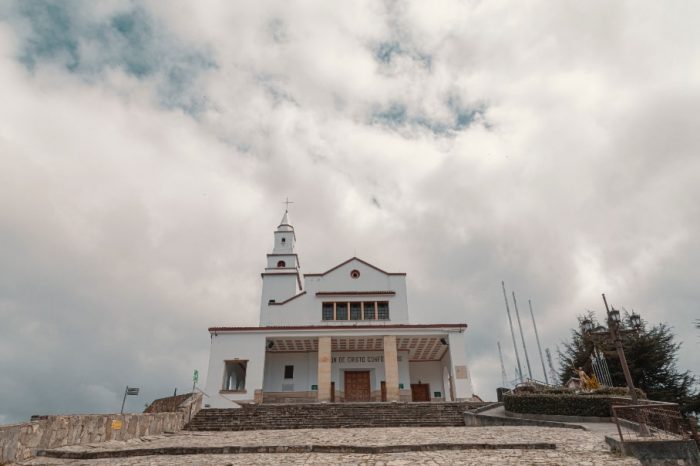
(332, 415)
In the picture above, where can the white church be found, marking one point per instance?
(343, 335)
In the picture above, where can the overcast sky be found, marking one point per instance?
(146, 149)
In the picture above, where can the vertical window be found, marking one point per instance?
(341, 311)
(234, 375)
(355, 311)
(288, 372)
(327, 311)
(368, 309)
(383, 310)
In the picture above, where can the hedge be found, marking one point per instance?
(562, 405)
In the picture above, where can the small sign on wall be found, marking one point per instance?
(461, 372)
(116, 424)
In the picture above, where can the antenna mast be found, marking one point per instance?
(512, 333)
(522, 337)
(552, 372)
(537, 337)
(504, 377)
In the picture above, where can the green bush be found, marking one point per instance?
(559, 391)
(561, 404)
(616, 391)
(525, 389)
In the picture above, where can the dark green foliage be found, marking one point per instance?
(561, 405)
(651, 355)
(618, 391)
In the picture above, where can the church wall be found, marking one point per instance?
(278, 287)
(459, 368)
(429, 372)
(225, 347)
(305, 368)
(306, 309)
(363, 360)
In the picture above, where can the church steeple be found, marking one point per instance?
(282, 276)
(284, 236)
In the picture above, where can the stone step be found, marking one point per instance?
(332, 415)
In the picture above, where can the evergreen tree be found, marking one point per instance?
(651, 356)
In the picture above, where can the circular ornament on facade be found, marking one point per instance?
(355, 273)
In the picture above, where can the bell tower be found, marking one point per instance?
(282, 276)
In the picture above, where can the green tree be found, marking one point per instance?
(651, 355)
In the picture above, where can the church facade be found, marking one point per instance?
(343, 335)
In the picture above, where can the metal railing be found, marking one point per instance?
(654, 421)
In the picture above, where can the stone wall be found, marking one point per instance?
(19, 441)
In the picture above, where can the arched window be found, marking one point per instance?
(281, 264)
(283, 240)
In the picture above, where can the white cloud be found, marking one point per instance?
(128, 226)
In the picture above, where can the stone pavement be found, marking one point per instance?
(573, 446)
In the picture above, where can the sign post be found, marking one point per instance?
(195, 379)
(128, 391)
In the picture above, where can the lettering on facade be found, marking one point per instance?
(359, 359)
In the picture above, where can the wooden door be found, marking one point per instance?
(383, 386)
(332, 392)
(420, 392)
(357, 386)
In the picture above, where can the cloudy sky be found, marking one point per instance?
(146, 149)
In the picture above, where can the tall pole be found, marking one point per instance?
(522, 337)
(124, 400)
(615, 335)
(512, 333)
(504, 377)
(552, 372)
(537, 337)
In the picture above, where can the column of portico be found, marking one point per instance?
(324, 368)
(391, 368)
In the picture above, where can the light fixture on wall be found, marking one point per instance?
(270, 344)
(443, 341)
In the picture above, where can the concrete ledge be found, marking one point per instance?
(483, 420)
(486, 407)
(557, 418)
(241, 449)
(657, 452)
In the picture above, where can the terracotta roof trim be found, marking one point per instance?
(334, 327)
(286, 300)
(348, 261)
(355, 293)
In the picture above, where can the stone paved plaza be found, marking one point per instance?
(573, 446)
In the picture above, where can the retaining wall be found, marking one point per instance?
(18, 442)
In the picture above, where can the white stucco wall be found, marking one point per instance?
(429, 372)
(305, 371)
(226, 347)
(306, 367)
(458, 357)
(306, 309)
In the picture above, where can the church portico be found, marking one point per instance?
(340, 336)
(336, 364)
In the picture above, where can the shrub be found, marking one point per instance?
(559, 391)
(617, 391)
(524, 389)
(561, 404)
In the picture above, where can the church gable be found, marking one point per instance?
(352, 291)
